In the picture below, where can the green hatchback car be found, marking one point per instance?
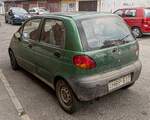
(82, 56)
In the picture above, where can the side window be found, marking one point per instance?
(53, 33)
(31, 30)
(119, 12)
(130, 13)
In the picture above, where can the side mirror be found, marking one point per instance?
(18, 35)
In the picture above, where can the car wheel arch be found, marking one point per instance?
(57, 78)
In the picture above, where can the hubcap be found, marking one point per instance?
(136, 32)
(65, 95)
(12, 59)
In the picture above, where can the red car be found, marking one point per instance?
(138, 19)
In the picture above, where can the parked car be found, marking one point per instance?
(82, 56)
(16, 15)
(38, 11)
(137, 18)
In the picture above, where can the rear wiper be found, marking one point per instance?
(124, 37)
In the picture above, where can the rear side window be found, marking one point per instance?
(130, 13)
(53, 33)
(31, 29)
(147, 13)
(104, 32)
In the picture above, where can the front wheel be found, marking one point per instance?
(136, 32)
(13, 61)
(66, 97)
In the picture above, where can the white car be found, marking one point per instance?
(38, 11)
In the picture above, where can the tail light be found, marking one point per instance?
(84, 62)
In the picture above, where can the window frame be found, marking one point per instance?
(130, 10)
(39, 28)
(42, 28)
(118, 14)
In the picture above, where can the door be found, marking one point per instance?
(88, 5)
(29, 39)
(131, 17)
(50, 49)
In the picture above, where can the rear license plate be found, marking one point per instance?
(119, 82)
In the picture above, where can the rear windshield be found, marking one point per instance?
(147, 13)
(104, 32)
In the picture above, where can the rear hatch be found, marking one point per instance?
(108, 41)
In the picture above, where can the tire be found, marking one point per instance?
(66, 97)
(137, 32)
(128, 86)
(6, 21)
(12, 22)
(13, 61)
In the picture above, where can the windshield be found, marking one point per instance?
(147, 13)
(105, 32)
(19, 11)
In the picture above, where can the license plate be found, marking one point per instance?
(119, 82)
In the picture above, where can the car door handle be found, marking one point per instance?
(57, 54)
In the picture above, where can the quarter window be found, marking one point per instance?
(53, 33)
(130, 13)
(31, 30)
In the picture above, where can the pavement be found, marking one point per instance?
(40, 103)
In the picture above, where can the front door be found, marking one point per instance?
(29, 39)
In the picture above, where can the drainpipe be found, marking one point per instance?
(77, 5)
(98, 5)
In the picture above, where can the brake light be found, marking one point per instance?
(84, 62)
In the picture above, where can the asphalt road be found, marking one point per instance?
(40, 102)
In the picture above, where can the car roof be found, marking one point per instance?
(77, 15)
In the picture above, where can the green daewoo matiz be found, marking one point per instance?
(82, 56)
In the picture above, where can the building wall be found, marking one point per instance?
(112, 5)
(68, 5)
(56, 5)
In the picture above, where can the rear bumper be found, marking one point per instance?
(91, 87)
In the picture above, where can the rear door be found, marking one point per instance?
(50, 49)
(132, 18)
(147, 19)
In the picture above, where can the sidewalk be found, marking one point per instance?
(7, 109)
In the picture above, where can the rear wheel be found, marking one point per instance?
(136, 32)
(66, 97)
(13, 61)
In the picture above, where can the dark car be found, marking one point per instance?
(82, 56)
(16, 15)
(137, 18)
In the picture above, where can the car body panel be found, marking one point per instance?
(42, 61)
